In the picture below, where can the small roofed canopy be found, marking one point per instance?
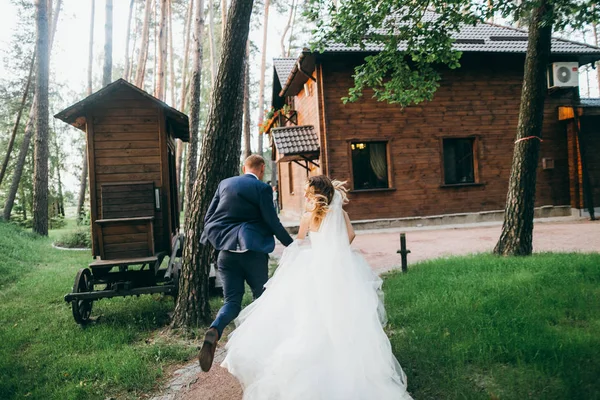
(75, 114)
(296, 143)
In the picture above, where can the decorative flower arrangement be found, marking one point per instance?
(270, 114)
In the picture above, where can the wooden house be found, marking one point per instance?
(449, 156)
(132, 180)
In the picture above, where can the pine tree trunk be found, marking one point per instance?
(286, 29)
(223, 19)
(187, 35)
(517, 231)
(211, 42)
(127, 39)
(143, 57)
(263, 66)
(184, 73)
(91, 49)
(171, 64)
(61, 200)
(595, 31)
(219, 160)
(20, 165)
(191, 166)
(247, 133)
(84, 169)
(159, 89)
(108, 33)
(13, 136)
(40, 186)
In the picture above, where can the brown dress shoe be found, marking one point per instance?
(207, 353)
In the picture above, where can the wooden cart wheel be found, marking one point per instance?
(82, 308)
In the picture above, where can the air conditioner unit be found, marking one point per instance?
(563, 74)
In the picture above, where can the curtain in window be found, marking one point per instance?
(378, 160)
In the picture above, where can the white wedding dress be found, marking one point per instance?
(316, 332)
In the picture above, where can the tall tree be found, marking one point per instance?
(127, 39)
(171, 64)
(84, 166)
(13, 136)
(595, 32)
(517, 230)
(40, 187)
(223, 18)
(108, 39)
(184, 73)
(211, 41)
(191, 165)
(263, 67)
(20, 164)
(143, 55)
(287, 28)
(247, 133)
(411, 75)
(159, 90)
(220, 159)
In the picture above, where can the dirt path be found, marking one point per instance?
(379, 248)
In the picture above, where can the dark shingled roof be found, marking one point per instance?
(296, 141)
(485, 37)
(590, 102)
(77, 111)
(283, 67)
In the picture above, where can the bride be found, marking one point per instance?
(316, 332)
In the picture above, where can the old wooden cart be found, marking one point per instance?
(133, 194)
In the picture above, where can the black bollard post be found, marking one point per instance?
(403, 252)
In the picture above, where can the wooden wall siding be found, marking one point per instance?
(307, 107)
(127, 148)
(590, 138)
(481, 98)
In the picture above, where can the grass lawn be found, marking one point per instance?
(463, 328)
(46, 355)
(484, 327)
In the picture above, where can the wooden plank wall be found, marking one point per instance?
(590, 129)
(481, 98)
(126, 147)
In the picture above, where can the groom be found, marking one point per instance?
(240, 224)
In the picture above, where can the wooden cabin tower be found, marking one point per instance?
(132, 178)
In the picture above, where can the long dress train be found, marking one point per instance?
(316, 333)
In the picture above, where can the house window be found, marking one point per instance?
(369, 165)
(459, 161)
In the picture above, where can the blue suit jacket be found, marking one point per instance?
(241, 216)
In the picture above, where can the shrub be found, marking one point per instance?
(78, 239)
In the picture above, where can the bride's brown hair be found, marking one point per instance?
(320, 190)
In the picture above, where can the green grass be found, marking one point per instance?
(484, 327)
(46, 355)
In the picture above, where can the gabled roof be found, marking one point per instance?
(283, 67)
(296, 142)
(72, 115)
(485, 37)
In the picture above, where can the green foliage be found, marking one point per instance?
(80, 238)
(411, 45)
(485, 327)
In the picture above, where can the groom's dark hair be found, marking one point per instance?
(254, 161)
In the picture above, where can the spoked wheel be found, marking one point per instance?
(82, 308)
